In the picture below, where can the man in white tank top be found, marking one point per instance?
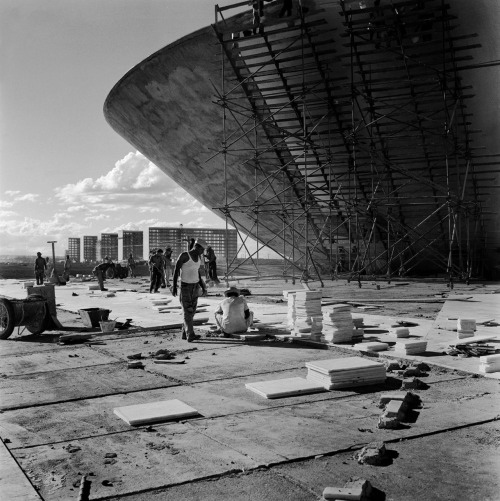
(192, 285)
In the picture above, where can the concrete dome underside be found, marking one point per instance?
(346, 139)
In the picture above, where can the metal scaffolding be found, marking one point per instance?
(359, 139)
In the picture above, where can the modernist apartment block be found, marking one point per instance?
(223, 242)
(74, 249)
(109, 245)
(132, 242)
(89, 248)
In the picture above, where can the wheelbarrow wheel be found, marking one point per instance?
(39, 324)
(7, 320)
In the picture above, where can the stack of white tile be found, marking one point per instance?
(489, 363)
(410, 347)
(346, 372)
(465, 327)
(338, 326)
(304, 309)
(402, 332)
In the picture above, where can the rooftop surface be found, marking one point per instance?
(57, 421)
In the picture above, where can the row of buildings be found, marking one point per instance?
(118, 246)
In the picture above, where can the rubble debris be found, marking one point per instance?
(357, 489)
(110, 455)
(392, 366)
(413, 384)
(135, 364)
(374, 454)
(72, 448)
(163, 355)
(412, 372)
(422, 366)
(389, 423)
(135, 356)
(402, 332)
(471, 350)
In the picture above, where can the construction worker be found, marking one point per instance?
(40, 267)
(187, 268)
(167, 256)
(211, 261)
(100, 270)
(156, 266)
(233, 315)
(131, 266)
(67, 268)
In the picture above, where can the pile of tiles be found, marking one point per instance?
(465, 327)
(410, 347)
(489, 363)
(304, 314)
(338, 326)
(346, 372)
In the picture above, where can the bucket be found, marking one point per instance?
(107, 325)
(92, 316)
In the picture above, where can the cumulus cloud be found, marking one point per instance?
(133, 179)
(12, 193)
(29, 197)
(5, 204)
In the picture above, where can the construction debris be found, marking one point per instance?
(396, 407)
(374, 454)
(357, 489)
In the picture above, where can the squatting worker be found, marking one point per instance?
(100, 270)
(40, 267)
(188, 268)
(233, 315)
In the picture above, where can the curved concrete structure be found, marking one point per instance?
(165, 108)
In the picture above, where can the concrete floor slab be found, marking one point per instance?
(325, 426)
(73, 384)
(26, 344)
(249, 486)
(144, 460)
(409, 477)
(77, 357)
(15, 486)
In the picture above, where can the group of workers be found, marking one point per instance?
(232, 315)
(44, 269)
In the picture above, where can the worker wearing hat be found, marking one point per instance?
(40, 267)
(233, 315)
(187, 268)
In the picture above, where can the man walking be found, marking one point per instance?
(192, 285)
(211, 259)
(40, 267)
(156, 267)
(168, 264)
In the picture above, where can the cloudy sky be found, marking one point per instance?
(63, 170)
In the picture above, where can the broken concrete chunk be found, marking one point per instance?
(373, 454)
(396, 409)
(387, 397)
(389, 423)
(422, 366)
(413, 384)
(135, 364)
(356, 489)
(393, 366)
(412, 371)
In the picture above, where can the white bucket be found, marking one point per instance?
(107, 325)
